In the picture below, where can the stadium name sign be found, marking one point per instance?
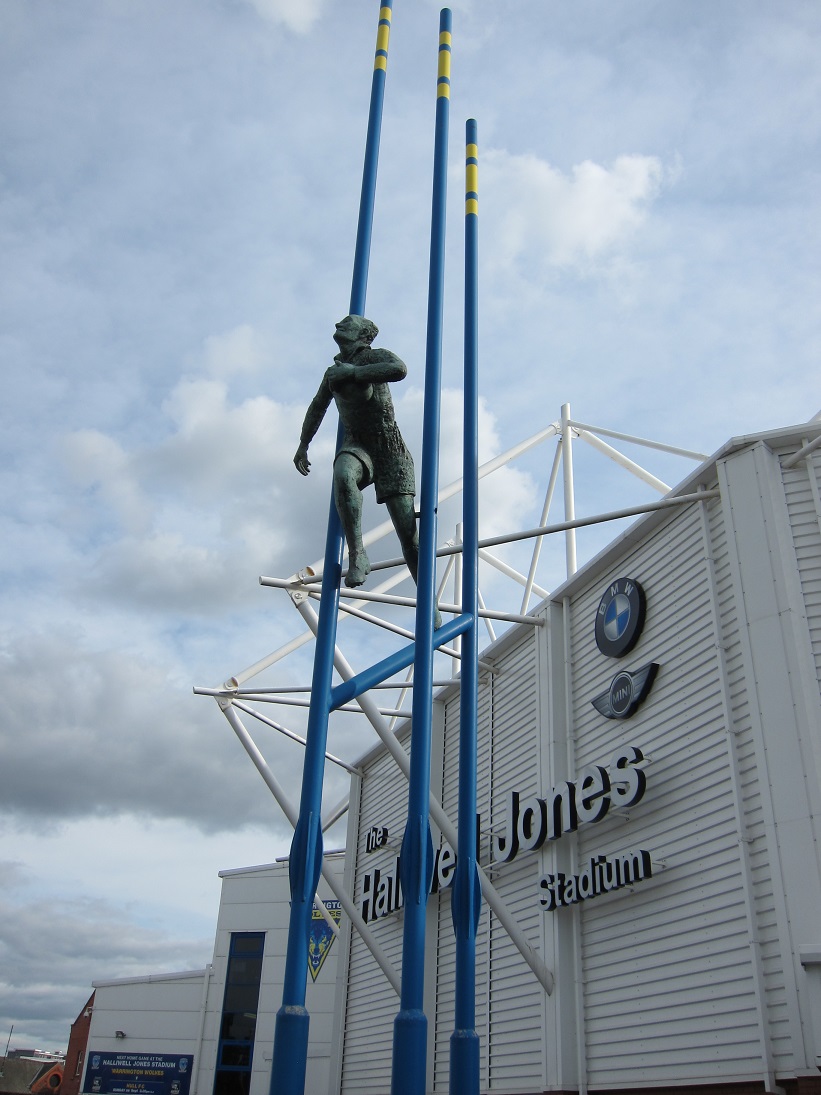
(382, 892)
(601, 875)
(528, 824)
(531, 821)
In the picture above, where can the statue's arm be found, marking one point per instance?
(313, 420)
(382, 367)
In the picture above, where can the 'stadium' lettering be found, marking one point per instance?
(601, 875)
(531, 821)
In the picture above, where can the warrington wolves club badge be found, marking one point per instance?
(321, 938)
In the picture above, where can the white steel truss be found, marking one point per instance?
(378, 607)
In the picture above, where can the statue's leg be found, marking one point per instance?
(403, 515)
(349, 474)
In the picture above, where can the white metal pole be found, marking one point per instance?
(305, 637)
(624, 462)
(488, 625)
(809, 447)
(537, 547)
(457, 591)
(569, 495)
(510, 572)
(643, 441)
(408, 602)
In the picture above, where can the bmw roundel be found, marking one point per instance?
(620, 617)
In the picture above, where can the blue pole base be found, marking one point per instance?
(410, 1053)
(464, 1063)
(290, 1051)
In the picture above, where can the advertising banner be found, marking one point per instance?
(138, 1074)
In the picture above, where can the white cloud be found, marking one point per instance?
(189, 520)
(540, 217)
(95, 460)
(238, 351)
(297, 15)
(105, 734)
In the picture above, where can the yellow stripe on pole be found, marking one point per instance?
(383, 34)
(443, 85)
(472, 178)
(471, 206)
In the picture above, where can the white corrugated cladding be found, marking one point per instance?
(510, 1001)
(509, 1017)
(668, 983)
(755, 808)
(516, 1023)
(372, 1004)
(694, 974)
(802, 485)
(765, 511)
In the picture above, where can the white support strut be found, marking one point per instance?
(287, 808)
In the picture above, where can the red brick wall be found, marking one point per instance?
(76, 1053)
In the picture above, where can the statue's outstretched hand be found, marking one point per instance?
(301, 461)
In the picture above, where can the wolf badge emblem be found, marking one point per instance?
(321, 938)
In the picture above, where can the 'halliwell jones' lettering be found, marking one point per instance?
(601, 875)
(382, 892)
(532, 821)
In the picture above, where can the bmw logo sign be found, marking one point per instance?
(620, 617)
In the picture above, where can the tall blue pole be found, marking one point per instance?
(467, 895)
(410, 1032)
(305, 863)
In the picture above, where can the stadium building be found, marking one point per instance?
(649, 816)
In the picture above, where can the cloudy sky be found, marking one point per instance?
(179, 183)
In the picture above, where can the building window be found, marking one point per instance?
(79, 1066)
(235, 1050)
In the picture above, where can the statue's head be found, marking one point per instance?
(356, 329)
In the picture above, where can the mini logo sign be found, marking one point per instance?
(626, 692)
(620, 618)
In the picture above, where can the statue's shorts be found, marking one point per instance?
(388, 467)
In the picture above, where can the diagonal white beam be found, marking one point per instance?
(625, 462)
(537, 547)
(700, 456)
(510, 572)
(290, 812)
